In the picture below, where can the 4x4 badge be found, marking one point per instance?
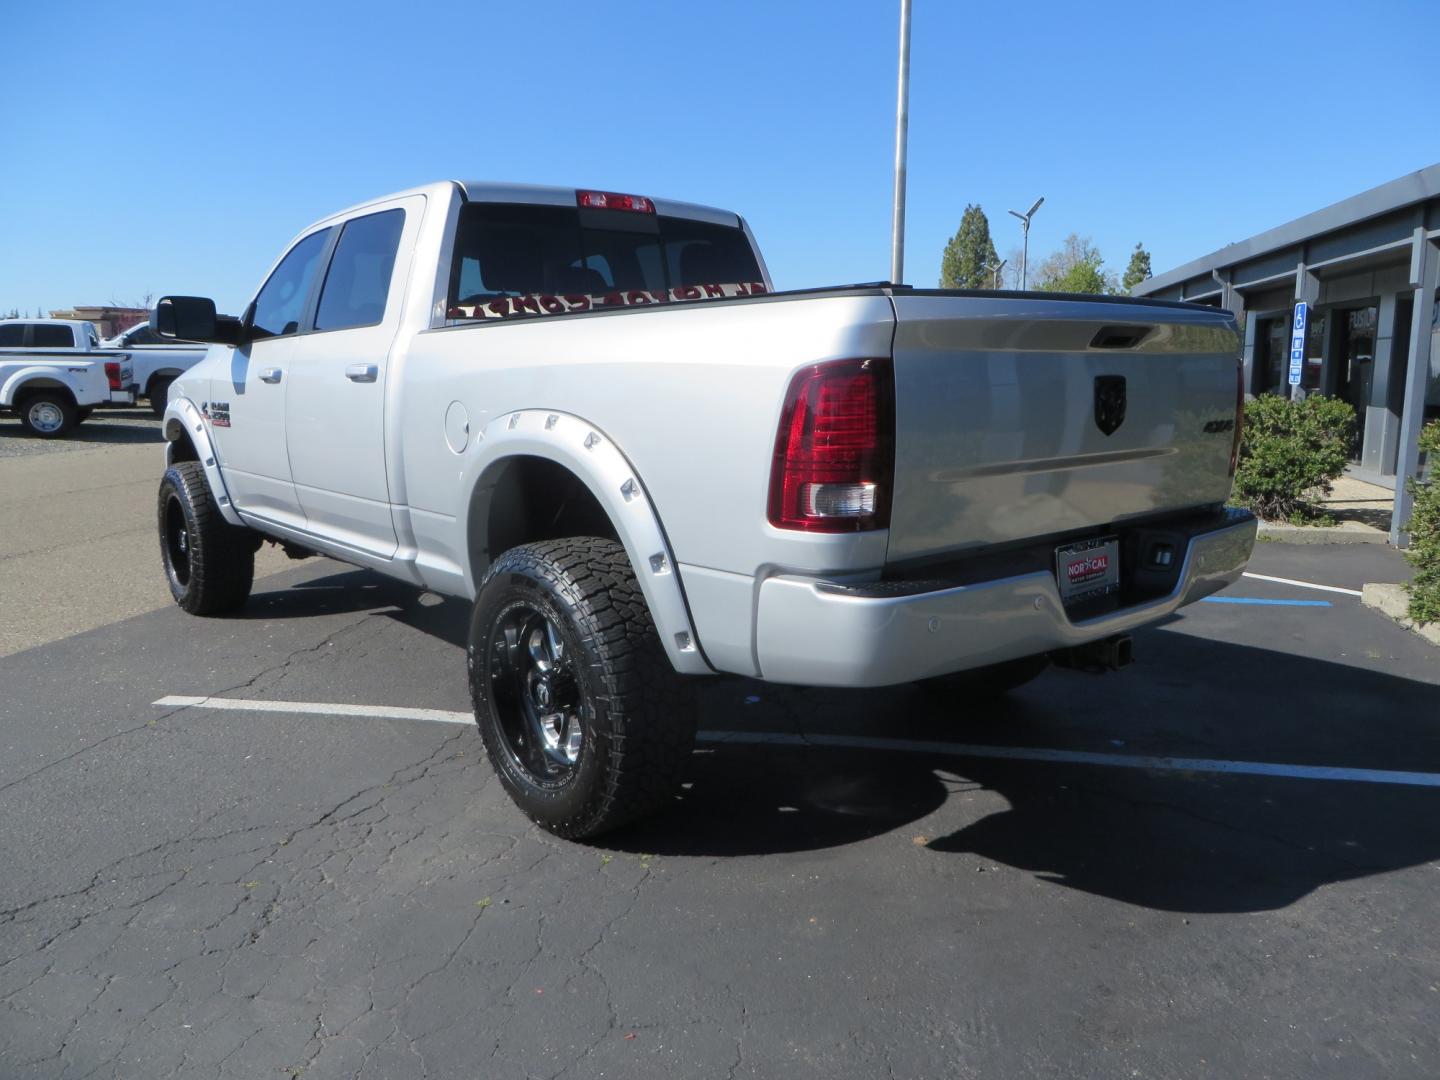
(1109, 402)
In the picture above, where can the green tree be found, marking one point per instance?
(970, 254)
(1076, 268)
(1137, 271)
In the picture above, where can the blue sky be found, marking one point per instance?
(182, 145)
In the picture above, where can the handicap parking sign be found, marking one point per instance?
(1297, 342)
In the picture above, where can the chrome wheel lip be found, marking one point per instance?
(535, 695)
(45, 416)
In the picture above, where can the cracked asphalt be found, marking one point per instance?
(212, 893)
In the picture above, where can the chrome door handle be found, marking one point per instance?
(362, 372)
(270, 374)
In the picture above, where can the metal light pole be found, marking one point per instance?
(902, 125)
(995, 271)
(1025, 248)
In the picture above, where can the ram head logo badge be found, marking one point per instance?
(1109, 402)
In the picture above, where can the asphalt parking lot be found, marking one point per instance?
(1220, 862)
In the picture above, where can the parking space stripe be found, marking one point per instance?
(1304, 584)
(319, 708)
(1269, 603)
(1081, 757)
(861, 742)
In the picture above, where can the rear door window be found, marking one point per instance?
(12, 336)
(281, 303)
(53, 337)
(514, 259)
(358, 281)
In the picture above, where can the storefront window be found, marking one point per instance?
(1355, 363)
(1314, 350)
(1272, 342)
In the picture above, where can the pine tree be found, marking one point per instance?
(969, 259)
(1138, 270)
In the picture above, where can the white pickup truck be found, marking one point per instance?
(589, 414)
(54, 372)
(156, 362)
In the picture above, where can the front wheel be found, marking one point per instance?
(209, 563)
(48, 414)
(583, 717)
(159, 394)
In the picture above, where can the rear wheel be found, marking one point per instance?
(991, 681)
(209, 563)
(583, 717)
(48, 413)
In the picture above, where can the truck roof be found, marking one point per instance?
(48, 322)
(496, 191)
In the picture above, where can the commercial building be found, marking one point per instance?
(1367, 270)
(110, 320)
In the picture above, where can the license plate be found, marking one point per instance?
(1088, 569)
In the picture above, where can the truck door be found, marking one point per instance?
(335, 409)
(247, 410)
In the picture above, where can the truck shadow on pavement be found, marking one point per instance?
(1169, 840)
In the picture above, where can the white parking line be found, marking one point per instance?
(858, 742)
(1304, 584)
(320, 708)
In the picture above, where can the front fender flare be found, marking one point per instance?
(184, 420)
(587, 452)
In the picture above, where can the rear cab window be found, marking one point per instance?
(52, 337)
(516, 260)
(12, 336)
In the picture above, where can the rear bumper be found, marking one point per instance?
(811, 634)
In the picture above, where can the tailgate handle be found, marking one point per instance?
(1119, 337)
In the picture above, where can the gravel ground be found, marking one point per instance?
(107, 427)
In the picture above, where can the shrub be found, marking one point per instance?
(1424, 529)
(1290, 452)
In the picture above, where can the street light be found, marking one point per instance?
(1025, 249)
(995, 269)
(902, 128)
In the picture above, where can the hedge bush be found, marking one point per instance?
(1424, 529)
(1290, 453)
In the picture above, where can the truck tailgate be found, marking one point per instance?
(1026, 417)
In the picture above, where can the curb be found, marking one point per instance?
(1394, 601)
(1315, 534)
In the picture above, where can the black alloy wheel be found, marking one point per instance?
(584, 719)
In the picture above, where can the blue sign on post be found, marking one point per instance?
(1297, 342)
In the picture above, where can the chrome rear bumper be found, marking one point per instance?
(814, 636)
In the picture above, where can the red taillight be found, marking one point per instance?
(112, 374)
(835, 451)
(609, 200)
(1239, 417)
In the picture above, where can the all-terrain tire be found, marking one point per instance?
(988, 682)
(48, 414)
(209, 563)
(576, 601)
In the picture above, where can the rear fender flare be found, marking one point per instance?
(184, 421)
(18, 380)
(589, 454)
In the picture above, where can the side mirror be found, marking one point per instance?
(193, 318)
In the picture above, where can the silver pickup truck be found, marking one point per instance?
(590, 414)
